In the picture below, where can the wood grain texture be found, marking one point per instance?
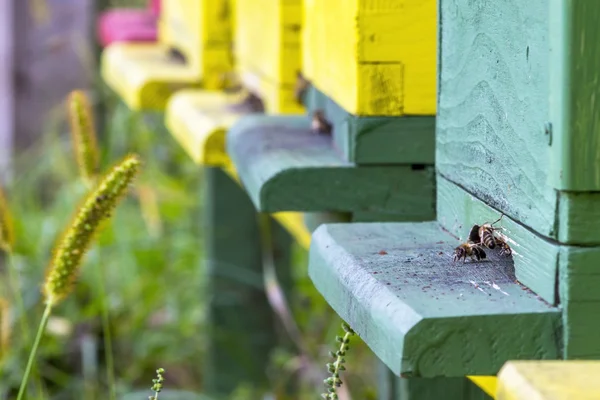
(267, 39)
(574, 74)
(377, 59)
(578, 218)
(579, 280)
(549, 380)
(376, 140)
(493, 105)
(234, 283)
(286, 167)
(199, 120)
(536, 259)
(421, 314)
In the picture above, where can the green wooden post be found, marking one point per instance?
(240, 318)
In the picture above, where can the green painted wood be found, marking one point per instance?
(391, 387)
(574, 64)
(313, 220)
(377, 140)
(422, 314)
(493, 106)
(578, 218)
(239, 342)
(512, 127)
(580, 298)
(286, 167)
(535, 257)
(439, 388)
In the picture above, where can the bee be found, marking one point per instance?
(251, 104)
(176, 56)
(319, 124)
(301, 86)
(468, 249)
(486, 235)
(505, 249)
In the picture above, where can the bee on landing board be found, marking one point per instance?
(486, 235)
(300, 89)
(472, 250)
(319, 124)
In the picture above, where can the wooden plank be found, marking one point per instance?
(268, 39)
(579, 280)
(578, 219)
(286, 167)
(493, 106)
(293, 222)
(396, 285)
(199, 120)
(235, 283)
(391, 387)
(277, 98)
(377, 140)
(574, 63)
(192, 26)
(549, 380)
(377, 59)
(315, 219)
(146, 75)
(536, 259)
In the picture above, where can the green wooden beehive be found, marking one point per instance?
(516, 135)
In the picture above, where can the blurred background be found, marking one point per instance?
(152, 252)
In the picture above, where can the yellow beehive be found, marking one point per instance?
(373, 57)
(268, 50)
(267, 54)
(146, 74)
(549, 380)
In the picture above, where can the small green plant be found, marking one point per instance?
(333, 382)
(76, 240)
(157, 384)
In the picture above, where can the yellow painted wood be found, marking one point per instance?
(378, 58)
(145, 76)
(268, 50)
(277, 98)
(486, 383)
(549, 380)
(199, 120)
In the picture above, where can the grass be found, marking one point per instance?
(153, 259)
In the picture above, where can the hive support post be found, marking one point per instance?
(391, 387)
(242, 329)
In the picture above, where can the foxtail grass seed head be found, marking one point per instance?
(157, 384)
(333, 382)
(83, 134)
(6, 225)
(77, 238)
(5, 327)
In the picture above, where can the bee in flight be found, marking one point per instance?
(486, 235)
(319, 124)
(468, 249)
